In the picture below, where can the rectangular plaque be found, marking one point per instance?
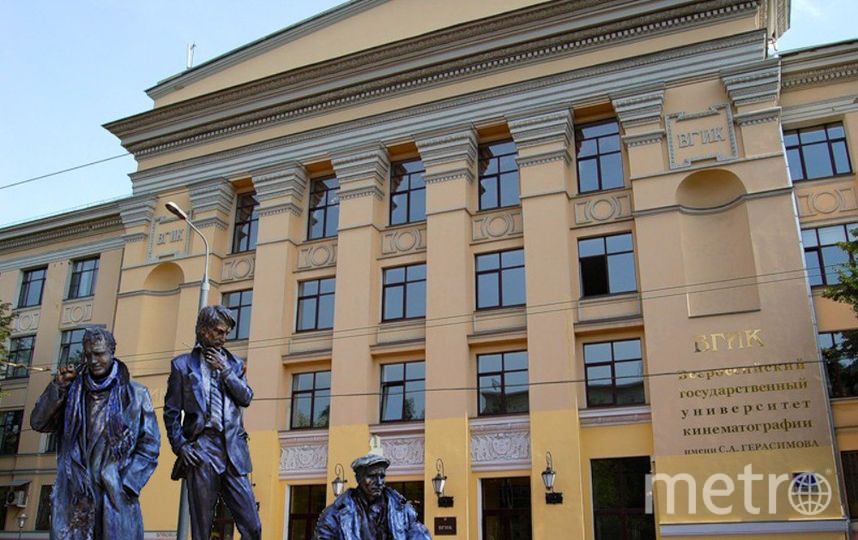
(699, 136)
(445, 526)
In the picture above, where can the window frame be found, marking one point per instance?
(239, 312)
(252, 222)
(312, 392)
(597, 157)
(500, 270)
(834, 382)
(326, 206)
(482, 176)
(829, 143)
(503, 376)
(4, 424)
(606, 256)
(620, 513)
(402, 384)
(409, 193)
(65, 348)
(317, 296)
(612, 363)
(404, 285)
(74, 292)
(310, 518)
(14, 351)
(817, 248)
(26, 284)
(43, 510)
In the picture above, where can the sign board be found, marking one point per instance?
(699, 136)
(445, 526)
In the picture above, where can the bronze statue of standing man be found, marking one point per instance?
(208, 385)
(108, 444)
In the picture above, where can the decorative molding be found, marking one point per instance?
(497, 225)
(75, 313)
(715, 110)
(317, 255)
(615, 416)
(603, 208)
(403, 444)
(76, 230)
(819, 110)
(366, 191)
(66, 254)
(439, 152)
(640, 107)
(372, 163)
(133, 130)
(542, 128)
(500, 444)
(546, 157)
(286, 181)
(641, 139)
(826, 201)
(212, 195)
(239, 267)
(401, 241)
(137, 211)
(753, 83)
(674, 64)
(827, 75)
(26, 320)
(292, 208)
(303, 455)
(772, 114)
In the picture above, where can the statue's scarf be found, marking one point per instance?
(72, 458)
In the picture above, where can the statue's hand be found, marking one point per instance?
(215, 359)
(66, 375)
(190, 456)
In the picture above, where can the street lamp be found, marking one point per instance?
(184, 516)
(174, 209)
(22, 520)
(548, 477)
(438, 484)
(339, 483)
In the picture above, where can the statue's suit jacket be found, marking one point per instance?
(185, 392)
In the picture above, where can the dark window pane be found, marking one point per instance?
(301, 409)
(594, 276)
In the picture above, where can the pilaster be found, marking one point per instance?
(137, 213)
(212, 203)
(754, 91)
(640, 114)
(550, 271)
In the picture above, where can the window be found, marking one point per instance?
(239, 302)
(817, 152)
(500, 279)
(841, 363)
(413, 493)
(20, 352)
(404, 295)
(10, 431)
(402, 387)
(31, 287)
(850, 475)
(246, 223)
(311, 399)
(607, 265)
(498, 175)
(84, 275)
(51, 443)
(71, 347)
(502, 381)
(305, 505)
(600, 163)
(324, 208)
(43, 516)
(822, 255)
(316, 304)
(619, 500)
(506, 508)
(614, 372)
(407, 193)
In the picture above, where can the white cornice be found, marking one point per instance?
(65, 254)
(698, 60)
(53, 227)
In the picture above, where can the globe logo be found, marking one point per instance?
(809, 494)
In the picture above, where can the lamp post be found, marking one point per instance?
(184, 515)
(22, 520)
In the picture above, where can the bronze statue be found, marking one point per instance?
(209, 386)
(372, 511)
(108, 444)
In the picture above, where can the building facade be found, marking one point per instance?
(492, 237)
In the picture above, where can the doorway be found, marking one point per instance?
(506, 508)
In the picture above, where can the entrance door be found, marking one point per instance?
(506, 509)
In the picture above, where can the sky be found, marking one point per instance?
(67, 67)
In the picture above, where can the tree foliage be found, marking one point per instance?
(6, 317)
(842, 359)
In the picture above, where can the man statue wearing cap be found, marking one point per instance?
(372, 511)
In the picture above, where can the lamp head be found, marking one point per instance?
(174, 209)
